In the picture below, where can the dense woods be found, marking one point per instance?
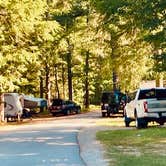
(78, 48)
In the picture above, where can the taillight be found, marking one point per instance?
(146, 106)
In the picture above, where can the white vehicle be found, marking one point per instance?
(13, 105)
(146, 105)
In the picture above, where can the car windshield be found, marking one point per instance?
(57, 102)
(152, 93)
(106, 97)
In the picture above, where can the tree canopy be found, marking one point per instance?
(77, 49)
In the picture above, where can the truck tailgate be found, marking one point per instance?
(156, 106)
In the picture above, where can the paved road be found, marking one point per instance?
(40, 147)
(52, 142)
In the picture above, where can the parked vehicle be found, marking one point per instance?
(146, 105)
(13, 106)
(112, 102)
(65, 107)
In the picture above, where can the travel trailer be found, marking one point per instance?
(14, 104)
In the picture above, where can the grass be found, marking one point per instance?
(91, 108)
(133, 147)
(112, 122)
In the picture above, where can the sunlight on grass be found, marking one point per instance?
(117, 121)
(135, 147)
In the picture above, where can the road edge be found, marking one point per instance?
(91, 151)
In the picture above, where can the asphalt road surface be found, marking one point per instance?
(49, 142)
(40, 147)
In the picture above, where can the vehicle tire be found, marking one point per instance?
(127, 121)
(53, 114)
(78, 111)
(161, 123)
(67, 112)
(103, 114)
(127, 124)
(109, 114)
(145, 123)
(140, 123)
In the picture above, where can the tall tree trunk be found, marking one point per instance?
(86, 69)
(41, 91)
(2, 107)
(69, 69)
(86, 96)
(98, 82)
(159, 80)
(48, 85)
(56, 82)
(41, 87)
(115, 80)
(159, 76)
(114, 46)
(114, 74)
(63, 81)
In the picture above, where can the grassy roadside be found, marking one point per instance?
(133, 147)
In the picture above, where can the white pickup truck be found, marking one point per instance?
(146, 105)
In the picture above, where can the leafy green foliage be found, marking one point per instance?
(160, 61)
(151, 16)
(24, 37)
(119, 36)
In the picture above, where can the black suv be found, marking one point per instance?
(112, 102)
(66, 107)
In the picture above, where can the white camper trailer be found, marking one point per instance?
(13, 105)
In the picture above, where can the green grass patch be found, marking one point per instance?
(112, 122)
(135, 147)
(91, 108)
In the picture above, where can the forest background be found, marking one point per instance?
(76, 49)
